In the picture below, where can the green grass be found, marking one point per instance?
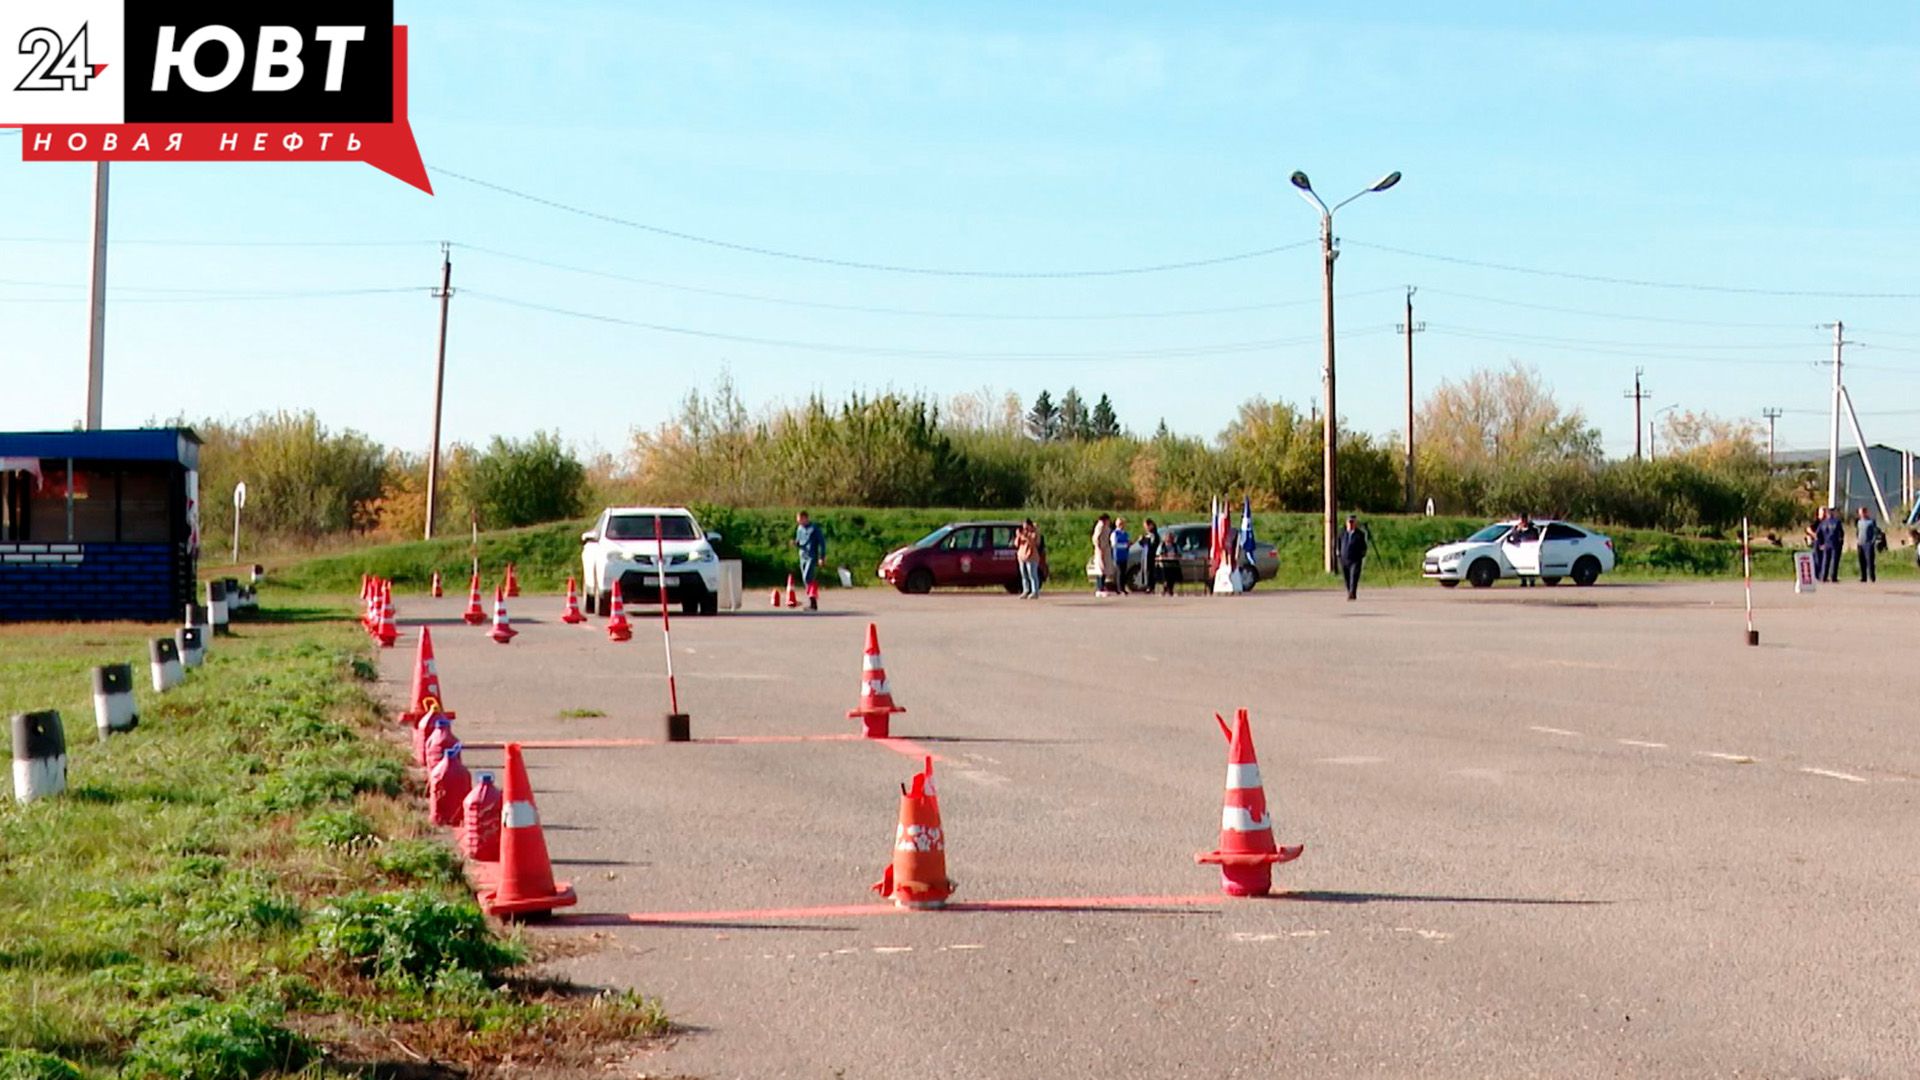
(246, 885)
(858, 538)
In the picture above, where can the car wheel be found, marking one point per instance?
(920, 581)
(689, 607)
(1014, 588)
(588, 602)
(1550, 581)
(1449, 583)
(1586, 571)
(710, 604)
(1483, 573)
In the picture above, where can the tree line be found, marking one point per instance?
(1491, 444)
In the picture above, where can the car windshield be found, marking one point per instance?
(1491, 532)
(640, 527)
(933, 537)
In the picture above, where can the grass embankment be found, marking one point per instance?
(246, 885)
(858, 538)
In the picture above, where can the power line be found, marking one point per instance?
(1575, 345)
(854, 264)
(1211, 349)
(1642, 283)
(910, 312)
(1618, 315)
(221, 298)
(61, 240)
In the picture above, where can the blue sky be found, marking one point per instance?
(1751, 146)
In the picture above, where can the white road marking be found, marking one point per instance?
(960, 948)
(1308, 933)
(1737, 759)
(1642, 743)
(1426, 935)
(1829, 773)
(981, 757)
(1552, 730)
(888, 950)
(981, 777)
(1352, 759)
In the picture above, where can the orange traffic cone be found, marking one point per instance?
(526, 874)
(475, 614)
(513, 582)
(436, 584)
(388, 632)
(571, 616)
(1247, 853)
(793, 598)
(776, 596)
(426, 681)
(503, 631)
(918, 876)
(618, 628)
(876, 696)
(370, 607)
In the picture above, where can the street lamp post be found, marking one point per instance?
(1330, 450)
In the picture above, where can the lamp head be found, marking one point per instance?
(1384, 182)
(1300, 181)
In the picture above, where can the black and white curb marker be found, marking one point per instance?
(39, 756)
(165, 659)
(113, 709)
(217, 606)
(191, 643)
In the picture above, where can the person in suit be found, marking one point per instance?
(1830, 533)
(1867, 536)
(1353, 555)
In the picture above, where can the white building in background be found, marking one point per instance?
(1894, 468)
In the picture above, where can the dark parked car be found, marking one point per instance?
(969, 553)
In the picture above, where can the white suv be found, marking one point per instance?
(622, 547)
(1554, 550)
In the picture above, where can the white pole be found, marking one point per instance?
(1746, 561)
(97, 308)
(1866, 463)
(1833, 437)
(236, 532)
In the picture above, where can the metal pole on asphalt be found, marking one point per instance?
(1746, 561)
(1329, 429)
(97, 303)
(1411, 328)
(666, 622)
(439, 387)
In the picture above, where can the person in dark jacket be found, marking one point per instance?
(1353, 553)
(1150, 554)
(1867, 538)
(1830, 533)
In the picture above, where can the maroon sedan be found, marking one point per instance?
(971, 553)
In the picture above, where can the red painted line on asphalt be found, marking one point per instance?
(907, 747)
(608, 744)
(849, 911)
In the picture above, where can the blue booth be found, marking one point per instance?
(98, 525)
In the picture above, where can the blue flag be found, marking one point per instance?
(1246, 527)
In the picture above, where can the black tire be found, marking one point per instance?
(590, 603)
(920, 582)
(1449, 583)
(1014, 588)
(690, 607)
(1483, 573)
(1550, 581)
(710, 604)
(1586, 571)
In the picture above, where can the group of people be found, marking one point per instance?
(1828, 535)
(1113, 560)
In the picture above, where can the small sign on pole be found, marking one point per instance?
(239, 503)
(1803, 579)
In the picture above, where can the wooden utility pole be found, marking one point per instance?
(1638, 395)
(439, 387)
(1772, 415)
(1410, 328)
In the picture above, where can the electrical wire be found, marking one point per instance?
(855, 264)
(1641, 283)
(910, 312)
(1574, 346)
(226, 297)
(1612, 314)
(1212, 349)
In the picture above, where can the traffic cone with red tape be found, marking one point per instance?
(1247, 852)
(917, 878)
(388, 633)
(513, 582)
(571, 614)
(475, 614)
(876, 694)
(503, 631)
(776, 596)
(526, 873)
(436, 584)
(618, 628)
(793, 598)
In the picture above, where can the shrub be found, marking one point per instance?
(312, 777)
(525, 483)
(243, 907)
(348, 829)
(28, 1065)
(409, 938)
(196, 1039)
(427, 862)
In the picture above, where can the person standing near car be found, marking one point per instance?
(1150, 553)
(1026, 546)
(1524, 533)
(812, 543)
(1830, 533)
(1122, 554)
(1816, 540)
(1353, 554)
(1867, 538)
(1102, 554)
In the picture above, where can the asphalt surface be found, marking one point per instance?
(1550, 832)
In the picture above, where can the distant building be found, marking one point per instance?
(98, 524)
(1894, 468)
